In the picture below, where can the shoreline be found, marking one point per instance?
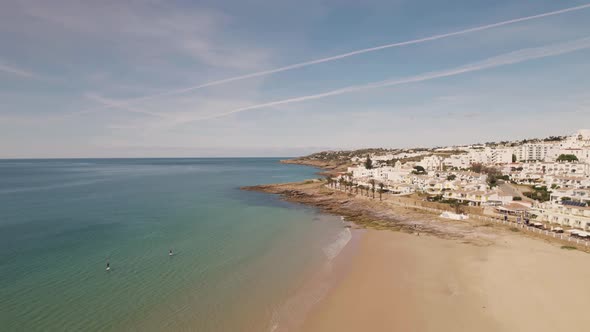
(295, 311)
(472, 289)
(372, 214)
(390, 214)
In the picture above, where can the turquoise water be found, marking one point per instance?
(238, 255)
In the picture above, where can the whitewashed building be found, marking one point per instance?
(565, 214)
(492, 197)
(556, 168)
(431, 163)
(536, 151)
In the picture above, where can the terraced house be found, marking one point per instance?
(567, 213)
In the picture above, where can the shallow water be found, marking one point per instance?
(238, 255)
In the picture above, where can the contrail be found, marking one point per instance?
(349, 54)
(500, 60)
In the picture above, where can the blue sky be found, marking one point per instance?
(110, 78)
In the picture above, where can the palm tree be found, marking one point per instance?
(372, 182)
(329, 181)
(349, 175)
(381, 185)
(341, 182)
(356, 188)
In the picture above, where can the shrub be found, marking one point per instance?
(419, 170)
(567, 157)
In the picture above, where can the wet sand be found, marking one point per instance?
(405, 282)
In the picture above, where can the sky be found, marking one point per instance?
(179, 78)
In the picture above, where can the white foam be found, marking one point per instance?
(332, 250)
(292, 313)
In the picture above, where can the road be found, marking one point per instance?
(514, 191)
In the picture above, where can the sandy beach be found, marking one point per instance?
(405, 282)
(454, 276)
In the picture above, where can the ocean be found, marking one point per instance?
(241, 259)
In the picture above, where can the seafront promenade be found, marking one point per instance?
(478, 217)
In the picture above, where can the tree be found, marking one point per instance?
(350, 183)
(457, 206)
(419, 170)
(368, 163)
(365, 189)
(513, 158)
(381, 185)
(451, 177)
(567, 157)
(372, 182)
(477, 167)
(329, 181)
(553, 139)
(493, 175)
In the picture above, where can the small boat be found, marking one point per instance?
(170, 253)
(108, 266)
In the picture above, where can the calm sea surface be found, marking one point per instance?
(239, 256)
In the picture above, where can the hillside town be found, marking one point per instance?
(544, 182)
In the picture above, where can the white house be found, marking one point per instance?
(576, 195)
(480, 197)
(562, 181)
(572, 215)
(431, 163)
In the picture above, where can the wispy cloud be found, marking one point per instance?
(345, 55)
(497, 61)
(146, 34)
(15, 71)
(113, 103)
